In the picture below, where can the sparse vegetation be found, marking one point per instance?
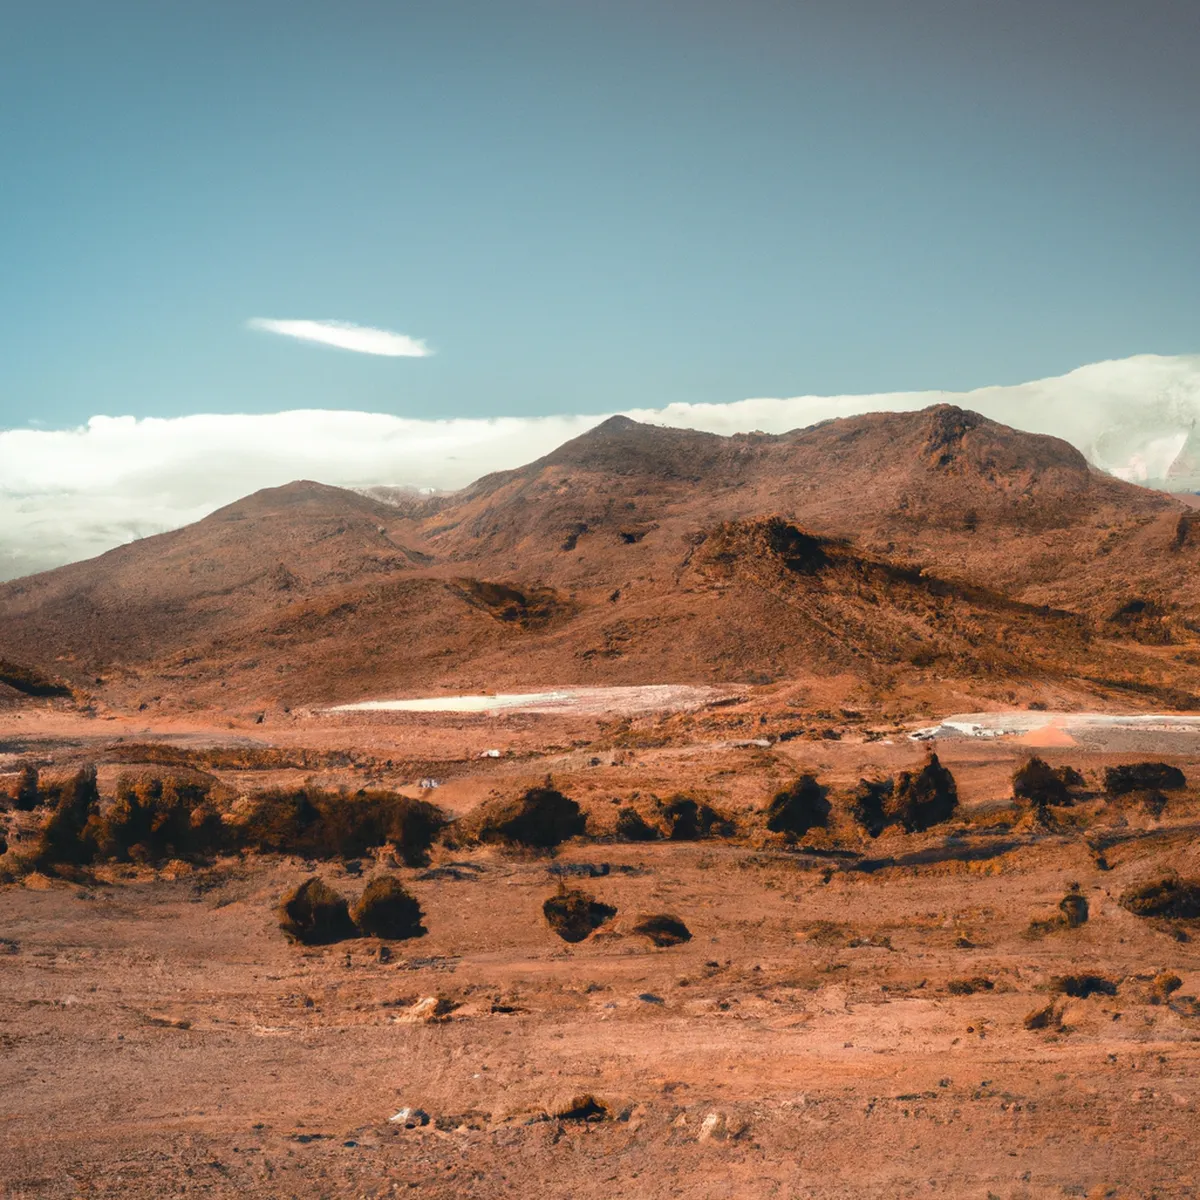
(1167, 896)
(388, 910)
(314, 914)
(799, 808)
(688, 820)
(1142, 777)
(924, 798)
(633, 827)
(663, 929)
(573, 914)
(541, 818)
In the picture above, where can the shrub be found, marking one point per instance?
(152, 819)
(631, 827)
(314, 914)
(573, 914)
(543, 818)
(1074, 908)
(387, 909)
(27, 799)
(1141, 777)
(869, 804)
(1168, 896)
(1082, 986)
(924, 798)
(1038, 783)
(687, 820)
(322, 824)
(1165, 984)
(799, 808)
(663, 929)
(65, 838)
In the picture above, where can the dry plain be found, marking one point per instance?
(848, 1018)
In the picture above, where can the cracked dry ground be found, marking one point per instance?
(815, 1038)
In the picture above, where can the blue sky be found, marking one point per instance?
(585, 206)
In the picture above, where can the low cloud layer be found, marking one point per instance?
(362, 339)
(70, 494)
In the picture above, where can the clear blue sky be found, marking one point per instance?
(585, 205)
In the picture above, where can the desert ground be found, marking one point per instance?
(848, 1019)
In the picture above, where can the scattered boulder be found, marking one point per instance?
(663, 929)
(314, 914)
(542, 818)
(1143, 777)
(1168, 896)
(428, 1010)
(799, 808)
(688, 820)
(924, 798)
(388, 910)
(573, 914)
(632, 827)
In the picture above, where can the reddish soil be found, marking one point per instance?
(813, 1038)
(849, 1016)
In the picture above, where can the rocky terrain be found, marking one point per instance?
(792, 930)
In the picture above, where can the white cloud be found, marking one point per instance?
(68, 494)
(345, 336)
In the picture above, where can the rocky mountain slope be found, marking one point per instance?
(897, 552)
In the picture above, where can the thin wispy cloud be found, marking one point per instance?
(66, 494)
(362, 339)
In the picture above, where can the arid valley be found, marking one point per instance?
(731, 904)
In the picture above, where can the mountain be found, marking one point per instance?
(894, 551)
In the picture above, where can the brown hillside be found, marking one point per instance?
(895, 549)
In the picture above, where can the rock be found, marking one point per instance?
(427, 1010)
(410, 1118)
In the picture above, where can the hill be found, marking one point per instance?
(897, 553)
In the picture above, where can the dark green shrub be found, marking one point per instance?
(322, 824)
(27, 798)
(689, 820)
(153, 819)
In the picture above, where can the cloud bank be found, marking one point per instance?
(69, 494)
(362, 339)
